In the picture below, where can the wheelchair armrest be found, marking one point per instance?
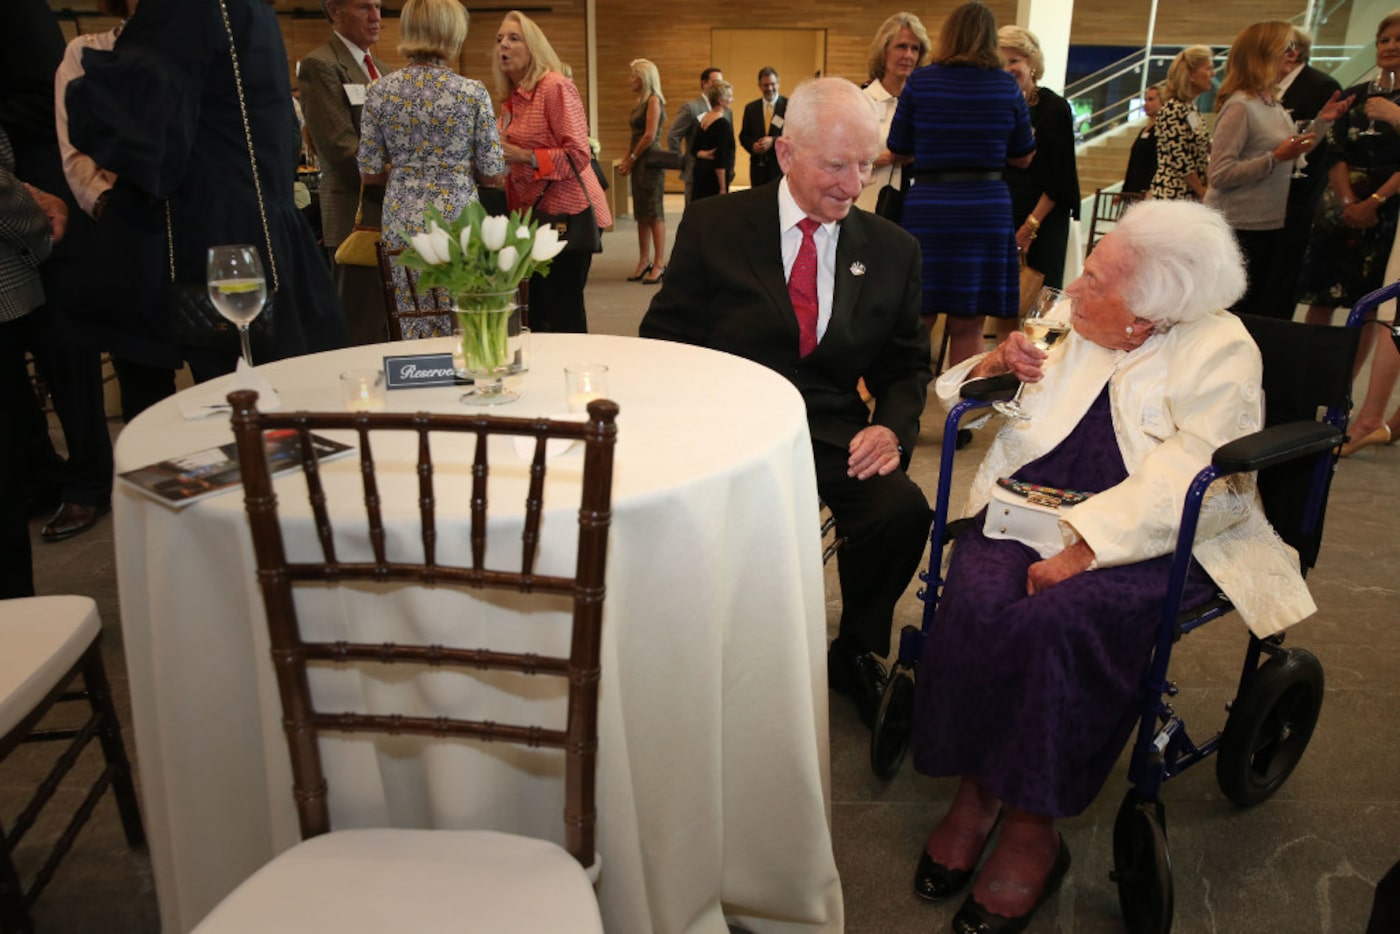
(1276, 445)
(991, 388)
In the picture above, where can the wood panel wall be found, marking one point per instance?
(677, 37)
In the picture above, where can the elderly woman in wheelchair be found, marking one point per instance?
(1049, 614)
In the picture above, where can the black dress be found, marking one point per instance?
(161, 110)
(718, 136)
(1142, 161)
(1052, 172)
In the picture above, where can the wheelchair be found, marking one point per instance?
(1307, 374)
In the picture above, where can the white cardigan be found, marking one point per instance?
(1174, 400)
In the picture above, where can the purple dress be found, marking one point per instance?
(1035, 696)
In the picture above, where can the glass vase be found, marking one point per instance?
(485, 353)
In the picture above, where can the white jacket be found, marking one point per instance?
(1174, 400)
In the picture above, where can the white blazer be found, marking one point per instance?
(1174, 400)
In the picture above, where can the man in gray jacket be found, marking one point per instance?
(687, 125)
(332, 83)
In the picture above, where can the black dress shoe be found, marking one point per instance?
(860, 677)
(71, 519)
(639, 278)
(933, 880)
(973, 918)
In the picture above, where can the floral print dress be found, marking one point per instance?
(435, 132)
(1344, 263)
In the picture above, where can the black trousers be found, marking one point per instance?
(142, 385)
(884, 522)
(72, 369)
(556, 300)
(1260, 247)
(16, 402)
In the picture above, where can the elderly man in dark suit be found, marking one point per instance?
(763, 124)
(332, 85)
(1304, 91)
(796, 278)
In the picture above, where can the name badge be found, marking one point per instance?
(355, 93)
(418, 370)
(777, 122)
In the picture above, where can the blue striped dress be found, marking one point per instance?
(963, 118)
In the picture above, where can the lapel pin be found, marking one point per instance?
(857, 268)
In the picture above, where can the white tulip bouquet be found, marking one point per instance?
(480, 259)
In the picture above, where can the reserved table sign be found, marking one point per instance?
(418, 370)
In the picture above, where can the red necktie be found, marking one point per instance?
(369, 67)
(802, 287)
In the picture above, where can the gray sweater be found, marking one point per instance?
(1246, 184)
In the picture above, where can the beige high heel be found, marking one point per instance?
(1381, 435)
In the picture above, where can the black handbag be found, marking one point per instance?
(194, 321)
(656, 158)
(580, 232)
(889, 204)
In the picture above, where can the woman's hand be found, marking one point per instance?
(884, 158)
(1362, 214)
(1073, 560)
(1334, 108)
(626, 167)
(1382, 110)
(1015, 355)
(516, 155)
(1024, 237)
(1294, 146)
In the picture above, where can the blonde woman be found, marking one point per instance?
(544, 132)
(901, 44)
(648, 183)
(427, 133)
(1046, 195)
(1183, 142)
(1253, 152)
(714, 164)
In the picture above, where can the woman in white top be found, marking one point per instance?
(900, 46)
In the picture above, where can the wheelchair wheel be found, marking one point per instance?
(1269, 727)
(889, 740)
(1142, 867)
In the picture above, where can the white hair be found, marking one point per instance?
(1183, 261)
(817, 101)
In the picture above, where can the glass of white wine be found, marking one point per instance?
(237, 287)
(1044, 333)
(1303, 127)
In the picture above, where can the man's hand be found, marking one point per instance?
(762, 145)
(875, 450)
(53, 206)
(1073, 560)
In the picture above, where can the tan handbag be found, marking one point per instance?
(1031, 281)
(358, 248)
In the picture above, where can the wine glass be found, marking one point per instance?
(1382, 85)
(1044, 333)
(237, 287)
(1303, 127)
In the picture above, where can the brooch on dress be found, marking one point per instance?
(857, 268)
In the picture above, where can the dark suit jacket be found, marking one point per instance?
(335, 132)
(762, 168)
(725, 289)
(1303, 99)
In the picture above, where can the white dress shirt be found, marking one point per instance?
(825, 236)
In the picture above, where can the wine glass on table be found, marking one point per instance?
(237, 287)
(1302, 128)
(1044, 332)
(1382, 85)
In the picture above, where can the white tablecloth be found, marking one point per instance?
(713, 778)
